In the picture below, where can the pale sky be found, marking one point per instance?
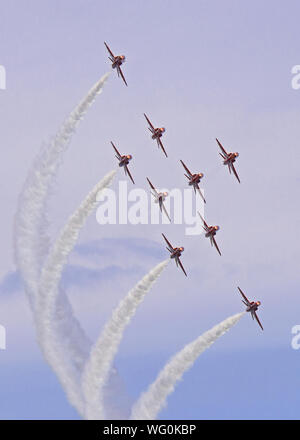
(203, 70)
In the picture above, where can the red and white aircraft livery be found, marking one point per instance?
(194, 180)
(117, 62)
(252, 306)
(123, 161)
(156, 134)
(210, 231)
(229, 159)
(175, 253)
(159, 198)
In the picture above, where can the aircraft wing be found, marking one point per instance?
(215, 244)
(257, 319)
(152, 186)
(149, 122)
(170, 247)
(160, 202)
(244, 296)
(235, 173)
(222, 148)
(180, 264)
(161, 146)
(204, 222)
(199, 191)
(109, 50)
(118, 154)
(186, 168)
(162, 206)
(128, 172)
(122, 76)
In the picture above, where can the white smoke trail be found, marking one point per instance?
(154, 399)
(31, 243)
(59, 344)
(99, 364)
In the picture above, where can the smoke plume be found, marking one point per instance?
(53, 327)
(102, 355)
(154, 399)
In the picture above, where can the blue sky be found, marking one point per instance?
(203, 70)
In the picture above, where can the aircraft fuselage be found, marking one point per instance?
(176, 253)
(160, 196)
(252, 307)
(124, 161)
(118, 61)
(211, 232)
(231, 158)
(158, 133)
(195, 179)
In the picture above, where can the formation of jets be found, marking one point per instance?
(194, 180)
(123, 161)
(210, 232)
(156, 134)
(159, 198)
(117, 62)
(229, 159)
(175, 252)
(252, 307)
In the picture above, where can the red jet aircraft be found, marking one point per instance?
(157, 134)
(194, 180)
(175, 253)
(123, 161)
(210, 231)
(252, 306)
(117, 62)
(159, 198)
(229, 159)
